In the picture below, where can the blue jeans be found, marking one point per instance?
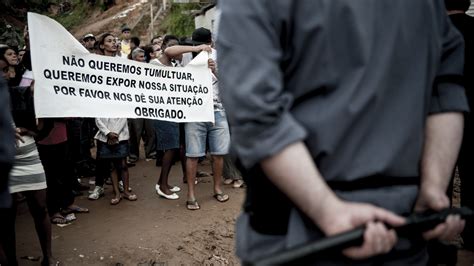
(217, 135)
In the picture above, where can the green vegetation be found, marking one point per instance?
(75, 16)
(180, 22)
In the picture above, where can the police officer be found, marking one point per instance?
(343, 113)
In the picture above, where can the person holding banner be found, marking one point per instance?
(199, 133)
(167, 134)
(112, 138)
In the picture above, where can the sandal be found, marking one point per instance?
(130, 197)
(74, 209)
(70, 217)
(115, 201)
(228, 181)
(192, 205)
(221, 197)
(202, 174)
(239, 183)
(58, 219)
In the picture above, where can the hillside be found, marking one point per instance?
(95, 16)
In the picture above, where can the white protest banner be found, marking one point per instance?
(71, 82)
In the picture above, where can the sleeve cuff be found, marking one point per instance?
(449, 97)
(252, 146)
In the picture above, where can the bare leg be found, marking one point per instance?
(122, 169)
(217, 168)
(3, 257)
(125, 175)
(191, 167)
(168, 158)
(115, 183)
(36, 200)
(7, 236)
(182, 157)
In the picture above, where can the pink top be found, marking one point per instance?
(57, 135)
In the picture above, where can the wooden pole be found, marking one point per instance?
(151, 21)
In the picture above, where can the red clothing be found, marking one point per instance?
(57, 135)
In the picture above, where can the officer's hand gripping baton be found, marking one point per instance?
(415, 224)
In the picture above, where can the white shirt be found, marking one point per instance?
(188, 57)
(115, 125)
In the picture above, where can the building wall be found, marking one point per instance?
(207, 20)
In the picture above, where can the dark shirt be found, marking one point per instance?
(354, 80)
(7, 144)
(23, 110)
(465, 24)
(335, 74)
(7, 141)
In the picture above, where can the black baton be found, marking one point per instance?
(415, 224)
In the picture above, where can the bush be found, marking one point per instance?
(76, 14)
(180, 21)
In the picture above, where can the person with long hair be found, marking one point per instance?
(27, 175)
(9, 55)
(167, 134)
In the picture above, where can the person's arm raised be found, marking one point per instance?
(176, 52)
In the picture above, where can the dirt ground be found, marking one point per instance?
(150, 231)
(124, 12)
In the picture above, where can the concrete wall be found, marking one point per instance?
(206, 20)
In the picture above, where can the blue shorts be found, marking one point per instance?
(217, 135)
(106, 151)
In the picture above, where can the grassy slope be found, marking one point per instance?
(79, 13)
(179, 22)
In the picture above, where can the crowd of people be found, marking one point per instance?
(53, 154)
